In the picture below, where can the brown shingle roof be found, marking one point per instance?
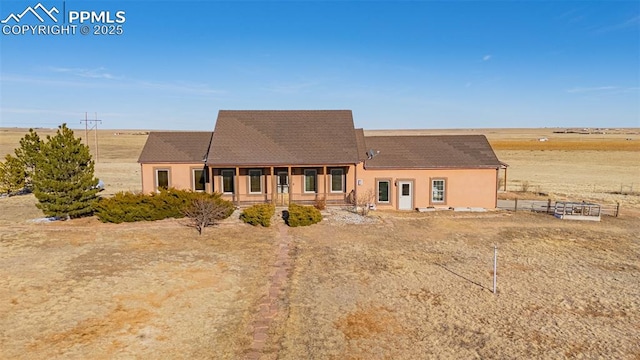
(431, 151)
(361, 144)
(283, 137)
(175, 147)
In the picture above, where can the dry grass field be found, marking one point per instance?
(400, 286)
(417, 286)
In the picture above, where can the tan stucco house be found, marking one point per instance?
(302, 155)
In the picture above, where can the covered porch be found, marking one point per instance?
(282, 185)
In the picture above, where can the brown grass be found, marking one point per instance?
(367, 322)
(83, 289)
(567, 145)
(411, 286)
(419, 287)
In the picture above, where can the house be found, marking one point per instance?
(284, 156)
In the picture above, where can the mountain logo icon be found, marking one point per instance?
(35, 11)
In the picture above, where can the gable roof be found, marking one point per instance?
(361, 144)
(431, 151)
(283, 137)
(176, 147)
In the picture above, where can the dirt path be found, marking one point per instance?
(273, 304)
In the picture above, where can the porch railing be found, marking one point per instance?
(284, 199)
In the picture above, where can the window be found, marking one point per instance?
(227, 181)
(337, 180)
(255, 181)
(406, 189)
(199, 179)
(383, 191)
(437, 191)
(310, 177)
(162, 179)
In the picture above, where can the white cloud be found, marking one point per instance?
(78, 114)
(123, 83)
(590, 89)
(626, 24)
(603, 90)
(486, 57)
(99, 73)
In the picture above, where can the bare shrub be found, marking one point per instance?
(363, 201)
(204, 212)
(500, 183)
(524, 186)
(320, 203)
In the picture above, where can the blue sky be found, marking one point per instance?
(409, 65)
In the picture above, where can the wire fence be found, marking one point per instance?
(548, 206)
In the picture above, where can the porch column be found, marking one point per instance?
(505, 179)
(208, 180)
(273, 185)
(355, 186)
(236, 187)
(324, 175)
(290, 183)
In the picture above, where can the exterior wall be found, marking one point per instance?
(180, 176)
(463, 187)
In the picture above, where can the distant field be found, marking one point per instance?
(117, 154)
(568, 145)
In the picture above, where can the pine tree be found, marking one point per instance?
(63, 181)
(12, 175)
(28, 153)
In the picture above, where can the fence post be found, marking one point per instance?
(515, 209)
(617, 208)
(495, 267)
(548, 205)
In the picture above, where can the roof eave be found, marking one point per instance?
(376, 167)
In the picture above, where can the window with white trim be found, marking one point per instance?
(255, 181)
(162, 179)
(227, 181)
(310, 177)
(438, 191)
(198, 180)
(337, 180)
(383, 191)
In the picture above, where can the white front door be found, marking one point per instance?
(405, 195)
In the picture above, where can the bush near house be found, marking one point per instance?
(171, 203)
(303, 215)
(259, 214)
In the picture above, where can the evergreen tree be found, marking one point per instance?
(28, 153)
(63, 181)
(12, 175)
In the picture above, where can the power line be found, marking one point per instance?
(94, 124)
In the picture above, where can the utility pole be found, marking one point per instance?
(94, 124)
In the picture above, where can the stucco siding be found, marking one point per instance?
(463, 187)
(180, 176)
